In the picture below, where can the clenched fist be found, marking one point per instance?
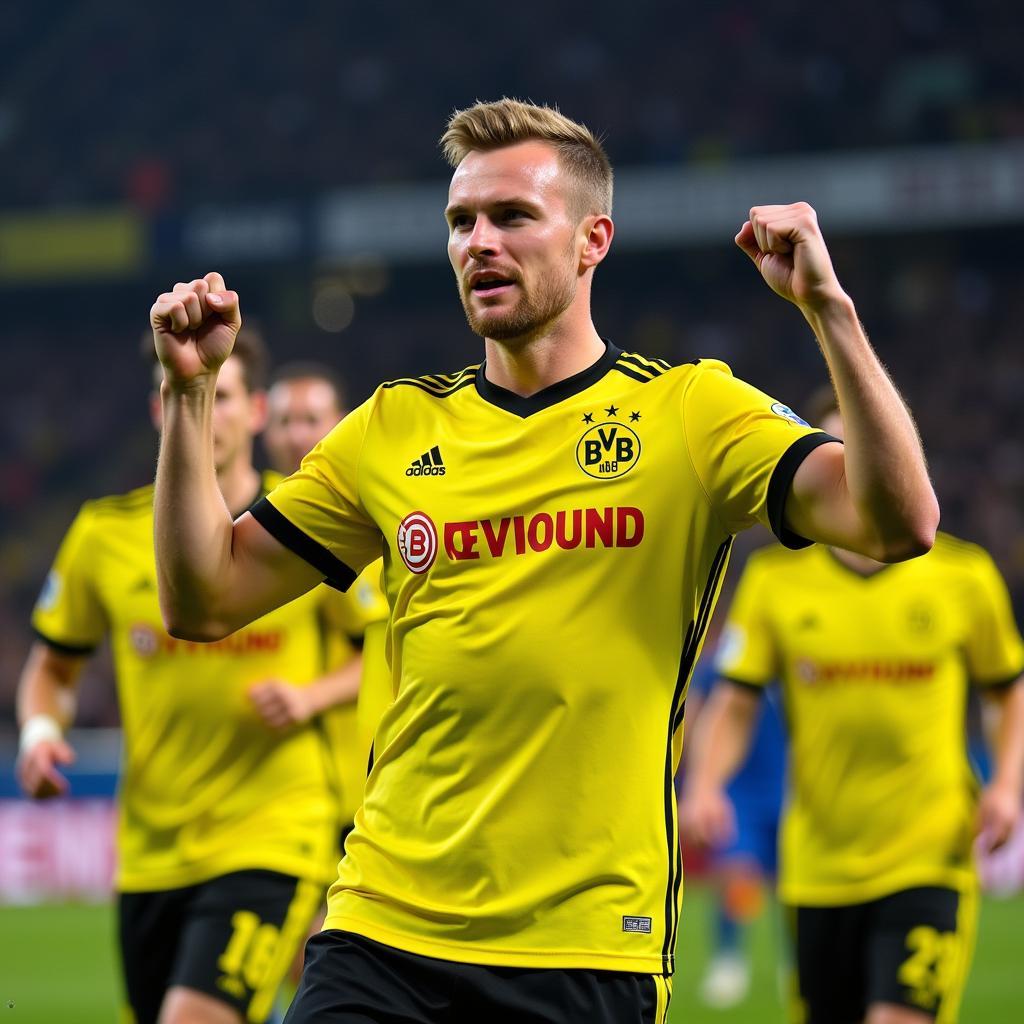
(194, 328)
(787, 246)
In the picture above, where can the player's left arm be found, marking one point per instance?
(871, 495)
(999, 808)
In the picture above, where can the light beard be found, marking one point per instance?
(529, 317)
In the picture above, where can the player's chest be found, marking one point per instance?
(855, 629)
(595, 473)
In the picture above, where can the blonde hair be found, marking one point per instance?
(506, 122)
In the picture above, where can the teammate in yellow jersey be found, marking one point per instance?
(304, 401)
(876, 864)
(227, 828)
(555, 522)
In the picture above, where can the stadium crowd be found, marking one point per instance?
(309, 117)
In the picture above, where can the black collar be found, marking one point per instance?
(551, 395)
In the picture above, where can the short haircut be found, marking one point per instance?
(506, 122)
(821, 403)
(250, 348)
(311, 370)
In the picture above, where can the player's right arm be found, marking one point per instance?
(719, 745)
(214, 575)
(46, 707)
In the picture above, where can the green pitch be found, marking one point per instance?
(57, 964)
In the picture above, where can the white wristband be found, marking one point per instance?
(37, 729)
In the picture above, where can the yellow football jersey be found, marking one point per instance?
(349, 618)
(551, 564)
(874, 671)
(206, 787)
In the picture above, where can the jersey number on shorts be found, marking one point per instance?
(248, 954)
(927, 971)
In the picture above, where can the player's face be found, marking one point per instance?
(512, 241)
(299, 413)
(238, 415)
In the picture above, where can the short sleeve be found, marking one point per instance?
(317, 512)
(69, 614)
(747, 651)
(746, 449)
(995, 651)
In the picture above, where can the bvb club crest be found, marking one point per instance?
(607, 451)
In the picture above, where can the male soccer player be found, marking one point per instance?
(555, 523)
(876, 867)
(227, 828)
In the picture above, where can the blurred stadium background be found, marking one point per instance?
(293, 147)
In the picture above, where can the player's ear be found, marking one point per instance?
(257, 411)
(597, 231)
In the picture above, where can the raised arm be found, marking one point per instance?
(872, 495)
(213, 575)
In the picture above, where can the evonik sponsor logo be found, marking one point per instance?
(148, 641)
(818, 673)
(567, 529)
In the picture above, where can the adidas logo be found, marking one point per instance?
(428, 464)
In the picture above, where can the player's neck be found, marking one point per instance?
(526, 366)
(239, 483)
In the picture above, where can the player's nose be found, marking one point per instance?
(484, 240)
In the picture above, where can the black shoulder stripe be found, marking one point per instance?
(336, 572)
(634, 374)
(73, 650)
(430, 390)
(643, 364)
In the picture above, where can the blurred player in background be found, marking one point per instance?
(745, 864)
(304, 402)
(876, 864)
(555, 523)
(227, 828)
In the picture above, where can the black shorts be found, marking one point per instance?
(233, 937)
(912, 948)
(349, 979)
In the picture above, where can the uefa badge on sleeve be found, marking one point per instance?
(787, 414)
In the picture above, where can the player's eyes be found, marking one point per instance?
(513, 214)
(460, 220)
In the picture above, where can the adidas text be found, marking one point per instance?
(425, 471)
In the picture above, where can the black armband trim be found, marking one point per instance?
(998, 684)
(782, 480)
(73, 650)
(336, 573)
(744, 684)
